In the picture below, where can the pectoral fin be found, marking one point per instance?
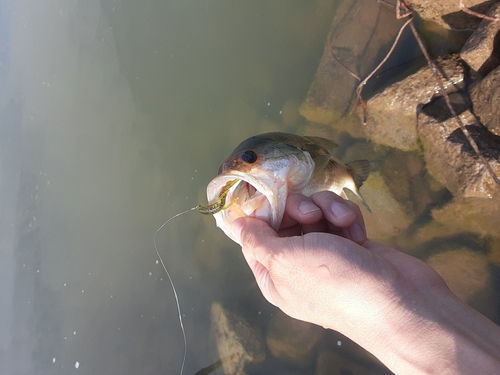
(360, 197)
(359, 169)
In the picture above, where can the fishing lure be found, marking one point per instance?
(219, 204)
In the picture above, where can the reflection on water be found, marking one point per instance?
(115, 116)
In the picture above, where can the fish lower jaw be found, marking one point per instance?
(250, 197)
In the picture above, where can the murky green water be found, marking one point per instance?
(116, 114)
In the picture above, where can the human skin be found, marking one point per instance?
(321, 268)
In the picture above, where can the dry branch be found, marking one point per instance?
(403, 10)
(480, 15)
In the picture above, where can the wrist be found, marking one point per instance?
(435, 333)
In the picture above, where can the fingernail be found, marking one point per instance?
(340, 210)
(236, 227)
(357, 233)
(306, 207)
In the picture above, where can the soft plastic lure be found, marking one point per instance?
(219, 204)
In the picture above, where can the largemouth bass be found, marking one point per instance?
(263, 170)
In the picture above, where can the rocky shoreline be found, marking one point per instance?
(410, 115)
(431, 193)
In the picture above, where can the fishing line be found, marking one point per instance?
(217, 206)
(172, 283)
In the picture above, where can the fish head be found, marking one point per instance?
(268, 170)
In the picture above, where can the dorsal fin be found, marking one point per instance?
(326, 144)
(321, 161)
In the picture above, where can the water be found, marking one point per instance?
(116, 114)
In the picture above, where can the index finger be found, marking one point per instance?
(342, 215)
(300, 209)
(256, 238)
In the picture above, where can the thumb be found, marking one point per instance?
(256, 238)
(251, 233)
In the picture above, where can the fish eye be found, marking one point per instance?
(249, 156)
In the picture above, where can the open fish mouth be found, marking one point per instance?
(249, 196)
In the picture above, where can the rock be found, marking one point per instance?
(430, 232)
(332, 93)
(287, 372)
(238, 343)
(389, 218)
(461, 20)
(404, 176)
(445, 13)
(397, 177)
(392, 114)
(476, 215)
(292, 340)
(358, 150)
(318, 130)
(350, 124)
(439, 110)
(333, 363)
(290, 113)
(452, 161)
(478, 50)
(468, 275)
(485, 97)
(494, 254)
(441, 42)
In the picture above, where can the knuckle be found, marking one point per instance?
(248, 239)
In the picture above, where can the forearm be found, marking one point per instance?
(435, 333)
(392, 304)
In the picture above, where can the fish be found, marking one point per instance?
(263, 170)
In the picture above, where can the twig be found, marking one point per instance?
(450, 107)
(332, 38)
(346, 68)
(480, 15)
(402, 5)
(363, 82)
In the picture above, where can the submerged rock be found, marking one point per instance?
(432, 231)
(391, 116)
(390, 217)
(292, 341)
(476, 215)
(238, 343)
(452, 161)
(360, 32)
(494, 253)
(468, 275)
(405, 176)
(448, 14)
(478, 51)
(485, 97)
(333, 363)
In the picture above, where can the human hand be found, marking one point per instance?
(389, 302)
(322, 212)
(322, 275)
